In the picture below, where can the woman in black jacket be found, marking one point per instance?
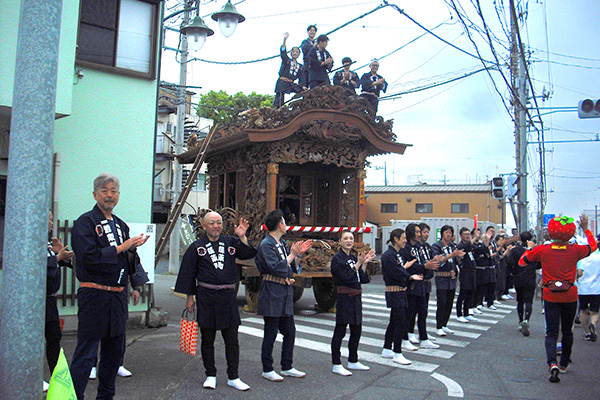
(348, 272)
(396, 277)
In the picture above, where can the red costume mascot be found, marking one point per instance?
(559, 271)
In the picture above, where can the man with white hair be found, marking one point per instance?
(373, 84)
(106, 259)
(209, 273)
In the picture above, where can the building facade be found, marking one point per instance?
(414, 202)
(105, 120)
(195, 129)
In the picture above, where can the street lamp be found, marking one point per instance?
(194, 33)
(228, 19)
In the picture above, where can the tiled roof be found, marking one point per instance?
(484, 187)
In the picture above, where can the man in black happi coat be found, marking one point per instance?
(208, 271)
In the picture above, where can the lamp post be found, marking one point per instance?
(193, 35)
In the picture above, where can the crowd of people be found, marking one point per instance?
(318, 64)
(483, 266)
(486, 267)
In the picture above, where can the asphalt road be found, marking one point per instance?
(486, 359)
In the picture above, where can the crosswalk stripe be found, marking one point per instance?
(431, 312)
(326, 348)
(502, 308)
(380, 308)
(367, 341)
(470, 326)
(454, 325)
(378, 331)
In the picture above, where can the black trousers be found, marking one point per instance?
(122, 356)
(485, 291)
(286, 326)
(336, 343)
(396, 329)
(463, 303)
(53, 335)
(559, 316)
(525, 301)
(52, 332)
(445, 300)
(417, 305)
(232, 350)
(111, 351)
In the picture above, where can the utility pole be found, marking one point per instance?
(23, 295)
(519, 101)
(175, 238)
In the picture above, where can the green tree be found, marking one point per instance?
(224, 108)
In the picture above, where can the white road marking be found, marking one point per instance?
(326, 348)
(378, 331)
(364, 340)
(454, 389)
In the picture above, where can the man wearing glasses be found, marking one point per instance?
(106, 259)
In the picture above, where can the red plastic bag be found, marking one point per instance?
(188, 336)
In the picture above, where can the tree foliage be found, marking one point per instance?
(224, 108)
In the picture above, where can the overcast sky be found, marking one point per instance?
(461, 132)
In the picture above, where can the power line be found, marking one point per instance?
(421, 88)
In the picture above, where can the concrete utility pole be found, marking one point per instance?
(519, 101)
(175, 238)
(23, 294)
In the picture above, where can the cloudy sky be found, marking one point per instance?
(461, 131)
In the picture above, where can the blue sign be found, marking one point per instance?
(547, 218)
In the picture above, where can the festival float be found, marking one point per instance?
(307, 158)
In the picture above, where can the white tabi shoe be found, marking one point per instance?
(210, 382)
(413, 338)
(440, 332)
(293, 373)
(357, 366)
(387, 353)
(408, 346)
(124, 372)
(480, 307)
(476, 311)
(45, 386)
(93, 373)
(340, 370)
(497, 303)
(471, 318)
(462, 319)
(448, 330)
(237, 384)
(493, 307)
(272, 376)
(428, 344)
(400, 359)
(505, 297)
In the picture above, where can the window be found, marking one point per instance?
(459, 208)
(199, 184)
(119, 34)
(389, 207)
(424, 208)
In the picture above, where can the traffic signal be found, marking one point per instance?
(498, 188)
(589, 109)
(512, 186)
